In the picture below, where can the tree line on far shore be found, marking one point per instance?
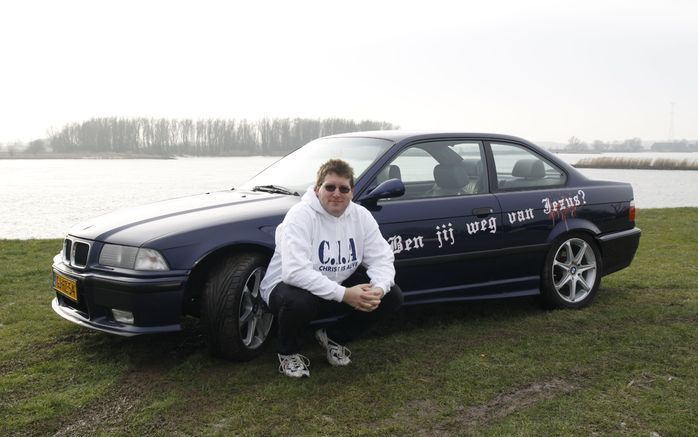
(212, 137)
(574, 144)
(231, 137)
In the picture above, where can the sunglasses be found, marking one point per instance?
(331, 187)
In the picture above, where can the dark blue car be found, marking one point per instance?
(469, 216)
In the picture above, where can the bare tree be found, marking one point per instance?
(200, 137)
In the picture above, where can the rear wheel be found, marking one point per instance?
(572, 272)
(235, 319)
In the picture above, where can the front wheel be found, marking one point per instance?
(235, 319)
(572, 272)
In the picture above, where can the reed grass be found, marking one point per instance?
(638, 163)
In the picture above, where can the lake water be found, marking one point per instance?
(43, 198)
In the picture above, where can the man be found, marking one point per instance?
(321, 243)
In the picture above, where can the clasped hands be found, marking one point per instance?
(363, 297)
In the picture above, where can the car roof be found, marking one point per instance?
(400, 135)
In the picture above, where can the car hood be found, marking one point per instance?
(139, 225)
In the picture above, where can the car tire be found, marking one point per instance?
(572, 272)
(236, 321)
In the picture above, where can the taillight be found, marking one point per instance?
(631, 213)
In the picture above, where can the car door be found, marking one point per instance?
(446, 226)
(522, 180)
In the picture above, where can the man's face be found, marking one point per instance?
(334, 202)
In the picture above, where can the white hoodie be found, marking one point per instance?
(316, 251)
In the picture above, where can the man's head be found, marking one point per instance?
(335, 186)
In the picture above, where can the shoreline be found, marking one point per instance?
(599, 162)
(5, 239)
(76, 156)
(119, 156)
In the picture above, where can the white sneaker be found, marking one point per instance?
(294, 366)
(337, 355)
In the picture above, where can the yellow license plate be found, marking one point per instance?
(66, 287)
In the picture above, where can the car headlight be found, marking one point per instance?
(133, 258)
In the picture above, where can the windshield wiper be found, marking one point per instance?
(276, 189)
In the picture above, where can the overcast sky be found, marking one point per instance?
(543, 70)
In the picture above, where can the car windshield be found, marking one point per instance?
(296, 171)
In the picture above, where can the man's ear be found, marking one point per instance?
(317, 189)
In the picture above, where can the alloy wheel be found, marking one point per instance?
(254, 318)
(574, 270)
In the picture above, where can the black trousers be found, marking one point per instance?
(294, 309)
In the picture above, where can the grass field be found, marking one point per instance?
(626, 365)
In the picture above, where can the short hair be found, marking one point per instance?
(338, 167)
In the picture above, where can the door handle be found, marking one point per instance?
(482, 212)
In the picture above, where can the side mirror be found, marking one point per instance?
(387, 189)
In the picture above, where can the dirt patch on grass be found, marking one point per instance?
(508, 403)
(467, 420)
(110, 410)
(150, 377)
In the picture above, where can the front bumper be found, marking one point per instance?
(618, 249)
(155, 301)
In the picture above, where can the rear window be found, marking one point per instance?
(520, 168)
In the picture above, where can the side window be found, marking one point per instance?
(438, 169)
(518, 168)
(415, 165)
